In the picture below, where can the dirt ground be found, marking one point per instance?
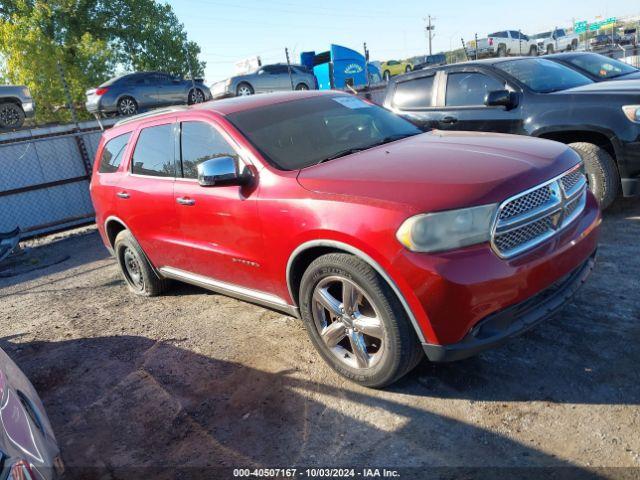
(195, 379)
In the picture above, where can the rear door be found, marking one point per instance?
(145, 196)
(144, 90)
(219, 227)
(415, 99)
(465, 89)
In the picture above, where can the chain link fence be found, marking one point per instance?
(44, 177)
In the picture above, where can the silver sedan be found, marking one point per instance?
(268, 78)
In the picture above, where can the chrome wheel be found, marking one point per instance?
(196, 96)
(127, 106)
(244, 90)
(348, 322)
(133, 270)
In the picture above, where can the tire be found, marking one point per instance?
(302, 87)
(11, 115)
(138, 273)
(407, 69)
(533, 51)
(195, 96)
(550, 49)
(601, 170)
(386, 75)
(244, 89)
(384, 358)
(127, 106)
(502, 51)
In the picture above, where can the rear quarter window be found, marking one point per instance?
(415, 93)
(112, 153)
(154, 152)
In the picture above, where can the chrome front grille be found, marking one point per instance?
(531, 217)
(526, 203)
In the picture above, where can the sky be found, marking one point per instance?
(231, 30)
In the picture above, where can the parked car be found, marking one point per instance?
(268, 78)
(394, 67)
(386, 241)
(28, 447)
(557, 40)
(16, 104)
(629, 37)
(502, 44)
(604, 41)
(535, 97)
(134, 92)
(431, 61)
(598, 68)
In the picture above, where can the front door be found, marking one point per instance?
(219, 225)
(464, 107)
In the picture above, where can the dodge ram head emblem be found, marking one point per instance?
(556, 219)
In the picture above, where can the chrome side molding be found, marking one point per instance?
(230, 289)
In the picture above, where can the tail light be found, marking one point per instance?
(490, 41)
(21, 471)
(101, 91)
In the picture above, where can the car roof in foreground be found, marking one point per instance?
(232, 105)
(226, 106)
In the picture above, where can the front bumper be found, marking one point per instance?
(500, 327)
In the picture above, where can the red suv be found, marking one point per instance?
(388, 242)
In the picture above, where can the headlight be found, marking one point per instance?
(435, 232)
(632, 112)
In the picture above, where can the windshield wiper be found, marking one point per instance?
(349, 151)
(342, 153)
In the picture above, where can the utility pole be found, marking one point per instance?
(430, 28)
(286, 52)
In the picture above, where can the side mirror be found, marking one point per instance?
(501, 98)
(221, 171)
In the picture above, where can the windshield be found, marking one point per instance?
(296, 134)
(601, 66)
(543, 76)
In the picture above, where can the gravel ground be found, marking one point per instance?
(195, 379)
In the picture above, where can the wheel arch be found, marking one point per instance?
(15, 100)
(596, 136)
(307, 252)
(112, 227)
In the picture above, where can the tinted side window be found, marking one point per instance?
(414, 93)
(469, 88)
(200, 141)
(153, 154)
(516, 35)
(112, 153)
(499, 35)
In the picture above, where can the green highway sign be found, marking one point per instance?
(582, 26)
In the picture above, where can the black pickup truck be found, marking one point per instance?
(536, 97)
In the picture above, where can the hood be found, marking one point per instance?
(608, 86)
(443, 170)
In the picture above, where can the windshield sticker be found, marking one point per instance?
(351, 102)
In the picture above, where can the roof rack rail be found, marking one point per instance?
(152, 113)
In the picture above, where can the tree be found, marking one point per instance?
(90, 39)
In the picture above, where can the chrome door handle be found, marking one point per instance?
(185, 201)
(122, 195)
